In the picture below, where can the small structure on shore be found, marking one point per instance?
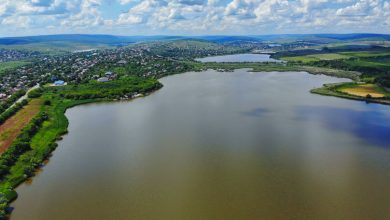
(3, 96)
(103, 79)
(109, 74)
(59, 83)
(122, 62)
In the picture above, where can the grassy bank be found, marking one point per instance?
(277, 67)
(56, 100)
(12, 127)
(337, 91)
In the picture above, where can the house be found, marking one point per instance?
(3, 95)
(122, 62)
(103, 79)
(59, 83)
(108, 74)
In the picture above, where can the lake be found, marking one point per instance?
(239, 58)
(211, 145)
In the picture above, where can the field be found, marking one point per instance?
(55, 48)
(277, 67)
(12, 127)
(11, 65)
(363, 90)
(336, 56)
(316, 57)
(365, 53)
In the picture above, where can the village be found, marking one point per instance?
(85, 66)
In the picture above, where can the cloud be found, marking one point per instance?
(195, 16)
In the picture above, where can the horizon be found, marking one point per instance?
(200, 35)
(192, 17)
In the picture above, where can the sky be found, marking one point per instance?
(192, 17)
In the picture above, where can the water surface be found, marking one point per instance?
(215, 145)
(239, 58)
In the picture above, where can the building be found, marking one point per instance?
(103, 79)
(3, 95)
(122, 62)
(108, 74)
(59, 83)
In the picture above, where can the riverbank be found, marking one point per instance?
(56, 100)
(275, 67)
(177, 141)
(328, 90)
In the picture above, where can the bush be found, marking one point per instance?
(11, 100)
(10, 112)
(21, 144)
(47, 102)
(35, 93)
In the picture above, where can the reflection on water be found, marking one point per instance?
(219, 146)
(371, 125)
(256, 112)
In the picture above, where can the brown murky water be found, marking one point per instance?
(219, 146)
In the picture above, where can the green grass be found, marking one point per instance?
(56, 48)
(337, 56)
(368, 63)
(303, 59)
(277, 67)
(329, 56)
(12, 65)
(335, 90)
(316, 57)
(365, 53)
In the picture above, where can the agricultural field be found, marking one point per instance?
(365, 53)
(316, 57)
(363, 90)
(335, 56)
(56, 48)
(12, 127)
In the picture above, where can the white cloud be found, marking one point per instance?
(17, 21)
(196, 16)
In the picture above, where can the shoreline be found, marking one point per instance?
(46, 139)
(58, 111)
(327, 90)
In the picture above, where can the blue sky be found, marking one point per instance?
(192, 17)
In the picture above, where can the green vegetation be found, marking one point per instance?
(365, 53)
(337, 91)
(12, 111)
(363, 90)
(269, 67)
(125, 87)
(4, 105)
(10, 158)
(189, 49)
(37, 139)
(56, 48)
(316, 57)
(372, 63)
(4, 66)
(11, 65)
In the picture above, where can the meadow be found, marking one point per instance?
(363, 90)
(4, 66)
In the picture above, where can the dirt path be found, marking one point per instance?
(12, 127)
